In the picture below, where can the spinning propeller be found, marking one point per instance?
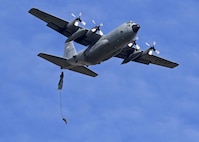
(97, 28)
(133, 43)
(78, 19)
(152, 48)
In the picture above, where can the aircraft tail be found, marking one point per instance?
(69, 50)
(64, 64)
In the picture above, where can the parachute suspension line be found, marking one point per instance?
(60, 85)
(61, 110)
(60, 104)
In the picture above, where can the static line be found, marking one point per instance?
(63, 118)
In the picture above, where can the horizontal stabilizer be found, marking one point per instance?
(64, 64)
(83, 70)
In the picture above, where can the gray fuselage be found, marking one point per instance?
(108, 45)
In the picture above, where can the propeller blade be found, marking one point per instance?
(154, 43)
(101, 25)
(83, 23)
(152, 48)
(100, 32)
(97, 28)
(147, 44)
(78, 19)
(136, 38)
(93, 21)
(133, 43)
(137, 47)
(73, 15)
(158, 52)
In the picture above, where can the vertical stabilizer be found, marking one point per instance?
(69, 50)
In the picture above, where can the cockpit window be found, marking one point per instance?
(129, 23)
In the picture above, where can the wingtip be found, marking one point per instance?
(95, 75)
(175, 65)
(42, 55)
(39, 54)
(32, 9)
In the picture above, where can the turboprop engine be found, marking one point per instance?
(80, 32)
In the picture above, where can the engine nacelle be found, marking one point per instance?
(133, 56)
(77, 34)
(71, 24)
(150, 50)
(90, 33)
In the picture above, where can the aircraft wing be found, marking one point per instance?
(60, 26)
(146, 58)
(64, 64)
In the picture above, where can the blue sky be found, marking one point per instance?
(131, 102)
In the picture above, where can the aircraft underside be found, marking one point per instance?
(120, 43)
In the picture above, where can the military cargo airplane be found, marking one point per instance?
(121, 43)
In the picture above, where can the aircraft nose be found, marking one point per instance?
(136, 28)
